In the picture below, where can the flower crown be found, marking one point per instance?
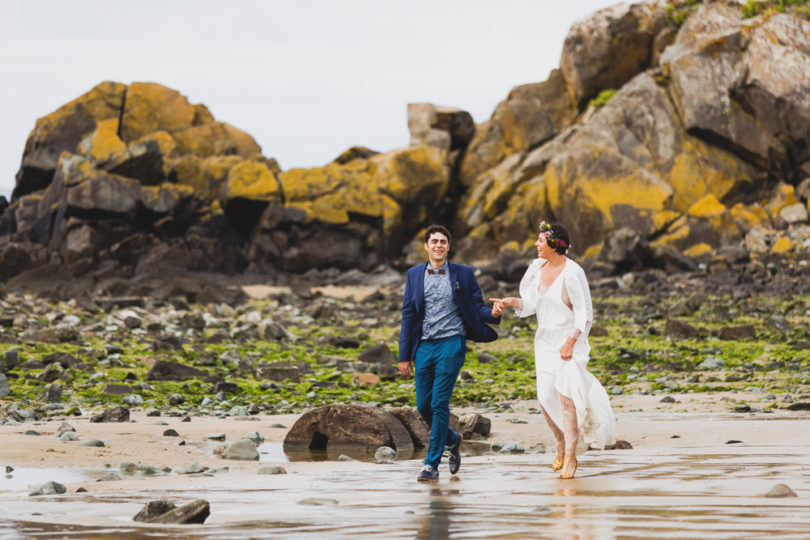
(551, 236)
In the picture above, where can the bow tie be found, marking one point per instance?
(435, 271)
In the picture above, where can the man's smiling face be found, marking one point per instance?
(437, 248)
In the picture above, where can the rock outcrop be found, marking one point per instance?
(672, 135)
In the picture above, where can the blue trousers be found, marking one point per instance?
(436, 366)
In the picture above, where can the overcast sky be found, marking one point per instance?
(306, 78)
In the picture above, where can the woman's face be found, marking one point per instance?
(543, 249)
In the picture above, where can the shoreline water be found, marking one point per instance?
(683, 477)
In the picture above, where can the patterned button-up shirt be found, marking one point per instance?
(442, 316)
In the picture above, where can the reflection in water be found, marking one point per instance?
(567, 514)
(436, 524)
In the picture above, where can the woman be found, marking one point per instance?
(575, 405)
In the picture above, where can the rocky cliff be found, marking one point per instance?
(672, 134)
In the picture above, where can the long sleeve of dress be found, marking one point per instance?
(579, 293)
(528, 289)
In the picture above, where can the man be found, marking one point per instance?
(441, 308)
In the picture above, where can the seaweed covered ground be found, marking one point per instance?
(290, 351)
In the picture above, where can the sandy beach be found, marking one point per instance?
(684, 478)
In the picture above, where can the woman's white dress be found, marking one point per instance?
(562, 309)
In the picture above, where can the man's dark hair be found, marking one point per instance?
(438, 229)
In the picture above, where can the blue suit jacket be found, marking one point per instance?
(467, 296)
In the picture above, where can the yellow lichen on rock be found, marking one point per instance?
(676, 233)
(707, 207)
(700, 170)
(104, 142)
(411, 173)
(747, 217)
(698, 250)
(252, 180)
(784, 196)
(216, 139)
(165, 142)
(164, 197)
(392, 214)
(102, 102)
(783, 246)
(150, 107)
(333, 192)
(207, 176)
(588, 191)
(594, 251)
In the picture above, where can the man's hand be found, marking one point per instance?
(497, 308)
(406, 368)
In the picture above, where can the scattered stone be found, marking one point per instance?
(801, 406)
(733, 441)
(215, 437)
(616, 391)
(80, 490)
(744, 408)
(94, 443)
(344, 457)
(737, 333)
(667, 399)
(243, 449)
(194, 512)
(278, 426)
(486, 358)
(780, 491)
(711, 363)
(254, 436)
(116, 414)
(68, 436)
(135, 400)
(619, 445)
(49, 488)
(109, 476)
(272, 469)
(154, 509)
(52, 393)
(5, 389)
(278, 371)
(170, 371)
(176, 399)
(192, 468)
(171, 433)
(680, 329)
(385, 454)
(32, 432)
(475, 423)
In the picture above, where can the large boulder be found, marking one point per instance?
(629, 164)
(62, 131)
(609, 48)
(530, 115)
(729, 89)
(348, 429)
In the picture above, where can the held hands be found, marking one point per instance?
(497, 308)
(500, 304)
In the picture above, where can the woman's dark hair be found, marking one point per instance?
(438, 229)
(556, 237)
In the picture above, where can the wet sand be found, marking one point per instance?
(694, 486)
